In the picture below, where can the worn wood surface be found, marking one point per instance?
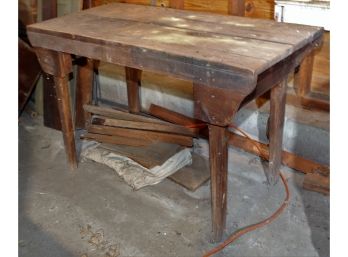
(194, 175)
(289, 159)
(118, 140)
(133, 80)
(311, 101)
(167, 128)
(276, 124)
(171, 116)
(245, 44)
(50, 112)
(222, 55)
(303, 78)
(191, 176)
(119, 114)
(59, 65)
(84, 91)
(317, 182)
(253, 8)
(236, 7)
(176, 4)
(218, 158)
(142, 135)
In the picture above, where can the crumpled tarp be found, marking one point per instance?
(134, 174)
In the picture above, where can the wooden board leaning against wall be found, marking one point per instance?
(263, 9)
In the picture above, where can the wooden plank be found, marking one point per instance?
(218, 157)
(236, 7)
(149, 156)
(154, 61)
(194, 175)
(289, 159)
(117, 24)
(167, 128)
(142, 135)
(112, 113)
(133, 80)
(118, 140)
(316, 182)
(276, 124)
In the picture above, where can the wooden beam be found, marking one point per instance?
(171, 116)
(316, 182)
(112, 113)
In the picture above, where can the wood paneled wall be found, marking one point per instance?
(253, 8)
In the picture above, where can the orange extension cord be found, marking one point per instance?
(262, 223)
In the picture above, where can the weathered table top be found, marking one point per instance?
(230, 43)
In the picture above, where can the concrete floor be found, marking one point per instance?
(92, 212)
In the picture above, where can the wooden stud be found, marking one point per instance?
(218, 156)
(133, 80)
(84, 89)
(276, 124)
(303, 78)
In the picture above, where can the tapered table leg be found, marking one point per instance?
(218, 156)
(84, 89)
(59, 66)
(276, 124)
(133, 80)
(63, 97)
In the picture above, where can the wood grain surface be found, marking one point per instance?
(235, 43)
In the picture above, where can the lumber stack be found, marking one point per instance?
(118, 127)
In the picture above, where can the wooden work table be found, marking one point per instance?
(231, 60)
